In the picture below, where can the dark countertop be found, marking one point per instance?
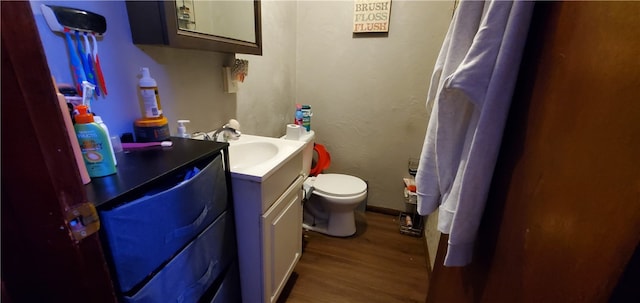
(137, 168)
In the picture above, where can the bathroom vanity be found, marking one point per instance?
(167, 224)
(267, 195)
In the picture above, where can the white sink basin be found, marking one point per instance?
(256, 158)
(247, 154)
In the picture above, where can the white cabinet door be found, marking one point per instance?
(282, 240)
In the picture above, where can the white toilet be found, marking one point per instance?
(331, 198)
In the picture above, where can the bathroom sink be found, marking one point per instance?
(256, 157)
(248, 154)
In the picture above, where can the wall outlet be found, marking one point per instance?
(230, 85)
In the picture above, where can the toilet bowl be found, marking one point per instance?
(331, 199)
(331, 205)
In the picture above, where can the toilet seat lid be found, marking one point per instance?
(339, 185)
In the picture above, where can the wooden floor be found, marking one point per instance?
(378, 264)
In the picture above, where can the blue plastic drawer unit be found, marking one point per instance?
(145, 233)
(186, 278)
(229, 290)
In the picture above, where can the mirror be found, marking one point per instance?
(231, 19)
(232, 26)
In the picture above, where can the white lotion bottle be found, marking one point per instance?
(150, 96)
(98, 120)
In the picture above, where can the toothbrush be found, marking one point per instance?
(97, 67)
(89, 67)
(75, 62)
(148, 144)
(83, 55)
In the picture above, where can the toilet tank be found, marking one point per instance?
(307, 153)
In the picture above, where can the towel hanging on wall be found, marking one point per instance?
(470, 93)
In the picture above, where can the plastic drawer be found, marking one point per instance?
(229, 290)
(147, 232)
(187, 276)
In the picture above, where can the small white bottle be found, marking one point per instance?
(150, 96)
(182, 129)
(98, 120)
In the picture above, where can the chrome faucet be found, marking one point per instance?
(228, 133)
(204, 135)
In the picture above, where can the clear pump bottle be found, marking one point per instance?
(182, 129)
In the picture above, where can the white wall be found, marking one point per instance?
(266, 99)
(368, 93)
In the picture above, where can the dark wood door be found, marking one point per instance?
(41, 261)
(563, 216)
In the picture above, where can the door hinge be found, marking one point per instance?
(82, 220)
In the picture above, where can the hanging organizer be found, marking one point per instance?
(411, 222)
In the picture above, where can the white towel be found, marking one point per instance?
(470, 93)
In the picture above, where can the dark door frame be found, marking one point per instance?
(41, 261)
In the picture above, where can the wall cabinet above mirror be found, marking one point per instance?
(222, 26)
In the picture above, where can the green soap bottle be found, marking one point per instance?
(94, 144)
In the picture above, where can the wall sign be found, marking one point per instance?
(371, 16)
